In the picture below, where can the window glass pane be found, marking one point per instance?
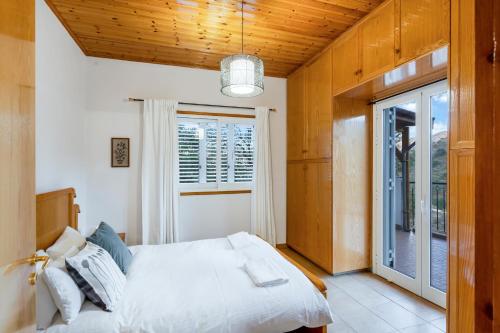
(189, 152)
(439, 57)
(243, 153)
(439, 185)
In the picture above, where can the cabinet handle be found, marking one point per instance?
(398, 51)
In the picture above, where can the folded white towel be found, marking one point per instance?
(265, 273)
(239, 240)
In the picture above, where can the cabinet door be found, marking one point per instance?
(376, 40)
(319, 107)
(318, 207)
(345, 65)
(296, 206)
(296, 122)
(424, 25)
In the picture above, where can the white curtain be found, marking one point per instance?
(263, 223)
(159, 172)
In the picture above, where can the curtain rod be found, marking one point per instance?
(130, 99)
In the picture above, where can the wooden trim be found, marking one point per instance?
(316, 281)
(215, 114)
(311, 160)
(185, 194)
(66, 26)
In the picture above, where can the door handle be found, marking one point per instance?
(32, 260)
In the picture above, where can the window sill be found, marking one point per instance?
(216, 192)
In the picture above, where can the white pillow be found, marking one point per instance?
(70, 237)
(45, 307)
(98, 276)
(65, 293)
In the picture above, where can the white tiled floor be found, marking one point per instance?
(366, 303)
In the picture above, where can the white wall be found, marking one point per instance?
(60, 108)
(114, 192)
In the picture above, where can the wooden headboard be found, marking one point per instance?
(54, 212)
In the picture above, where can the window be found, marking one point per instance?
(216, 152)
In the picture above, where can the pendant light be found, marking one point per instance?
(242, 75)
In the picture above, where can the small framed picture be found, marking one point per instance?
(120, 152)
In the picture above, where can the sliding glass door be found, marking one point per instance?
(410, 164)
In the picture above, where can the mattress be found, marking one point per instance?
(201, 286)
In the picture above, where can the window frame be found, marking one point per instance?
(218, 185)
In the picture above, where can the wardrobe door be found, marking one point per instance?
(319, 107)
(345, 65)
(424, 25)
(318, 230)
(296, 206)
(376, 40)
(296, 122)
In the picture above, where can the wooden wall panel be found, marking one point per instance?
(462, 75)
(462, 222)
(319, 107)
(352, 184)
(296, 115)
(461, 241)
(487, 143)
(17, 164)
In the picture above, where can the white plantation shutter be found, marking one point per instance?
(210, 164)
(224, 153)
(243, 153)
(214, 151)
(189, 153)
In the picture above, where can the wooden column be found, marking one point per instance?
(487, 140)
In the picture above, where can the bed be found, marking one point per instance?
(192, 286)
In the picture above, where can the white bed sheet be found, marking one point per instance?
(201, 287)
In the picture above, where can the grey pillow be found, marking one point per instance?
(109, 240)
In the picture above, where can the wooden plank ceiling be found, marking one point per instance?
(199, 33)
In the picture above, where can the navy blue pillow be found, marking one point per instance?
(108, 239)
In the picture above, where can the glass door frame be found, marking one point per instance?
(409, 283)
(421, 285)
(428, 291)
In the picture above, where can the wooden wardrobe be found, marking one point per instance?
(309, 161)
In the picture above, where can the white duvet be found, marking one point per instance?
(201, 287)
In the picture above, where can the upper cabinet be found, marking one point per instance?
(345, 67)
(394, 33)
(296, 117)
(309, 114)
(423, 26)
(319, 107)
(365, 51)
(376, 42)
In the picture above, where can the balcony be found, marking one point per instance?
(405, 259)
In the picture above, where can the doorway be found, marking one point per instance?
(410, 190)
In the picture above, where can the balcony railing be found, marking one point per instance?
(439, 212)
